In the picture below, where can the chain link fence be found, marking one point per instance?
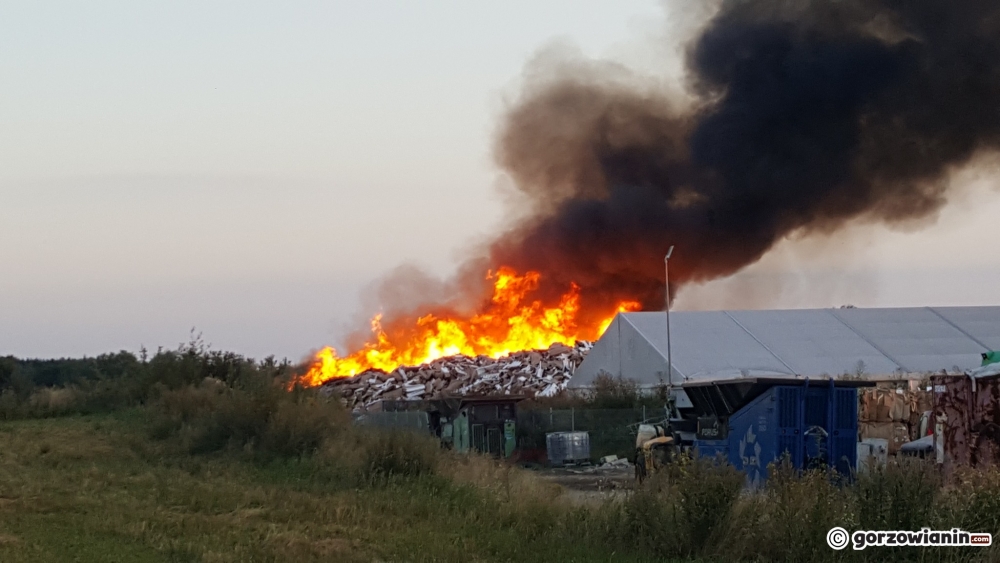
(405, 420)
(612, 431)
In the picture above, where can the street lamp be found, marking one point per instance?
(670, 365)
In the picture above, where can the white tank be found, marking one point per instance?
(565, 448)
(872, 453)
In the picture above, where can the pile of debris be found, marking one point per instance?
(540, 373)
(892, 414)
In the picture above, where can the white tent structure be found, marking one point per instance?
(815, 343)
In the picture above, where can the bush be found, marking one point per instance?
(11, 407)
(299, 427)
(971, 502)
(387, 455)
(692, 510)
(255, 415)
(900, 496)
(50, 401)
(86, 397)
(43, 402)
(788, 520)
(681, 510)
(40, 388)
(614, 393)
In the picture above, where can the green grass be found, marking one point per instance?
(98, 488)
(94, 488)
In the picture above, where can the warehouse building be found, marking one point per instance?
(814, 343)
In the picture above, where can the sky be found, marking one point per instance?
(248, 169)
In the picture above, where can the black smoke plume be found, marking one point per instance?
(807, 115)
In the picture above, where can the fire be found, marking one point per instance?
(511, 322)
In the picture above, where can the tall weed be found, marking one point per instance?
(789, 518)
(254, 415)
(899, 496)
(682, 510)
(388, 455)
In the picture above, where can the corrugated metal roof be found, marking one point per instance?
(918, 340)
(814, 342)
(980, 323)
(707, 343)
(710, 345)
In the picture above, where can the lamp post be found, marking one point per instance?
(670, 364)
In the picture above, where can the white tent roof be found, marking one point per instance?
(711, 345)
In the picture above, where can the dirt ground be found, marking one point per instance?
(592, 484)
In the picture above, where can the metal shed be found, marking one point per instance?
(815, 343)
(485, 424)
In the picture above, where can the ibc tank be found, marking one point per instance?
(567, 447)
(872, 452)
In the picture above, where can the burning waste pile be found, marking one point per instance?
(540, 373)
(518, 344)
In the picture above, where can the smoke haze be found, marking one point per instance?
(807, 116)
(794, 119)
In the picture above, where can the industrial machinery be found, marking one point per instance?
(656, 445)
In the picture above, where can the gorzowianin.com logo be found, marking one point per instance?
(838, 538)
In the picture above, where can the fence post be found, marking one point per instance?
(644, 413)
(572, 419)
(550, 418)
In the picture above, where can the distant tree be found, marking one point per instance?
(611, 392)
(8, 365)
(860, 372)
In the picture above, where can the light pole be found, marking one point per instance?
(670, 364)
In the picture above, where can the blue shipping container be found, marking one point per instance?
(816, 425)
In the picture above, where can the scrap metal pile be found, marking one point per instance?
(540, 373)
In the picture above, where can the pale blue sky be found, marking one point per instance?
(248, 167)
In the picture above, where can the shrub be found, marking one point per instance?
(11, 407)
(299, 427)
(971, 502)
(788, 520)
(255, 415)
(114, 381)
(106, 394)
(900, 496)
(50, 401)
(681, 510)
(614, 393)
(387, 455)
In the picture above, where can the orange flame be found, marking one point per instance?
(512, 322)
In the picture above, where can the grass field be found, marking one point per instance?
(195, 456)
(97, 488)
(93, 488)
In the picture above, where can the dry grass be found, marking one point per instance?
(223, 464)
(53, 400)
(501, 480)
(99, 490)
